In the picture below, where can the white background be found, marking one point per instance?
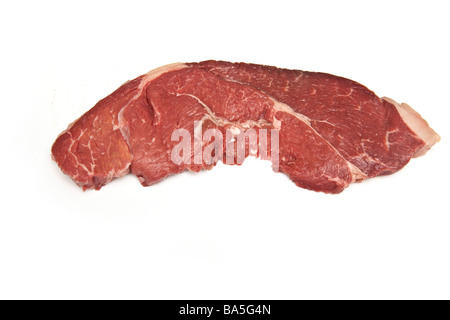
(234, 232)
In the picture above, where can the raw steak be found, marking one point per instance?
(331, 131)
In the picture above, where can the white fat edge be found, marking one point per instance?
(417, 124)
(155, 73)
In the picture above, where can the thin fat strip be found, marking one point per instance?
(357, 174)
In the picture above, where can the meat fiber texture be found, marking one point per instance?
(332, 131)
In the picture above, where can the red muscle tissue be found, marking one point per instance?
(331, 131)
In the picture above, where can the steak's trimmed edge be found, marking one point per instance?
(418, 125)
